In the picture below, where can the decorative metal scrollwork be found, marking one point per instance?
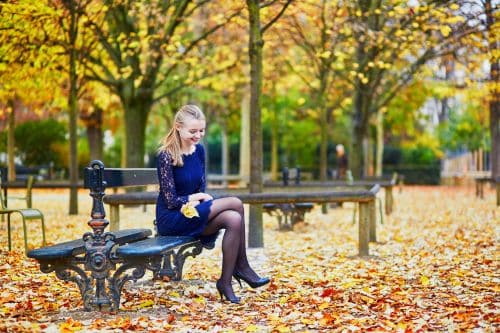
(117, 281)
(173, 261)
(70, 271)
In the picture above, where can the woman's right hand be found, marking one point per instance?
(200, 196)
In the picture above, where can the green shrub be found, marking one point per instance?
(36, 141)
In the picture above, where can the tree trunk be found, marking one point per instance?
(380, 144)
(274, 147)
(323, 145)
(11, 142)
(224, 152)
(495, 134)
(136, 110)
(370, 162)
(494, 104)
(93, 123)
(359, 132)
(245, 139)
(255, 236)
(73, 113)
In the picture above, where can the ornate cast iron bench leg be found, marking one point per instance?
(173, 261)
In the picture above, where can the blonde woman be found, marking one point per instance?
(184, 209)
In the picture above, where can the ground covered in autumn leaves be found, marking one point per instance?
(434, 269)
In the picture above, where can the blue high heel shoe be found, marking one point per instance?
(254, 284)
(232, 299)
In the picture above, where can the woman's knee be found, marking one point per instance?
(236, 203)
(232, 219)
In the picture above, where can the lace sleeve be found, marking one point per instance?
(167, 183)
(203, 183)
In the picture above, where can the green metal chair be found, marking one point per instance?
(29, 189)
(26, 214)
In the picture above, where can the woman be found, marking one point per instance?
(184, 209)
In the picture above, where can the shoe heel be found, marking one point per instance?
(220, 294)
(254, 284)
(239, 280)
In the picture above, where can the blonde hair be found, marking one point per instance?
(171, 143)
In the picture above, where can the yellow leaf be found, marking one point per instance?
(146, 304)
(324, 305)
(424, 280)
(251, 328)
(349, 284)
(283, 329)
(70, 325)
(445, 30)
(325, 54)
(189, 211)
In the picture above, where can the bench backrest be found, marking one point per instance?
(116, 177)
(2, 199)
(293, 173)
(96, 176)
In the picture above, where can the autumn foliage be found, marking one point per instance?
(434, 269)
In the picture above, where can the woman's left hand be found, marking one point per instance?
(195, 203)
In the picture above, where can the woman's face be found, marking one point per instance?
(192, 131)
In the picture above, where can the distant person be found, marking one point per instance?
(341, 161)
(184, 209)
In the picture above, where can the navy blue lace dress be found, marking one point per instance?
(176, 184)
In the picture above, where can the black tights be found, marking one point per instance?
(228, 213)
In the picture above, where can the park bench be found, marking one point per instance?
(288, 214)
(386, 183)
(100, 262)
(480, 182)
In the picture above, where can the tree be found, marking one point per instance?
(142, 44)
(255, 46)
(392, 42)
(28, 75)
(494, 104)
(320, 43)
(481, 87)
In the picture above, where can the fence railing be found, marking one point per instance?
(469, 165)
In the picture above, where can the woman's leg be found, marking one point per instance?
(229, 220)
(235, 204)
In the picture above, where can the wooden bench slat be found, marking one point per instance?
(150, 197)
(153, 246)
(115, 177)
(77, 246)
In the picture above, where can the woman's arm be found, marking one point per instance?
(201, 195)
(167, 183)
(201, 153)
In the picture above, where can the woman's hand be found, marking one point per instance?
(195, 203)
(200, 196)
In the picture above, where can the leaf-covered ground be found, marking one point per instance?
(435, 268)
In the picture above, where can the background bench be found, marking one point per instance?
(288, 214)
(386, 183)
